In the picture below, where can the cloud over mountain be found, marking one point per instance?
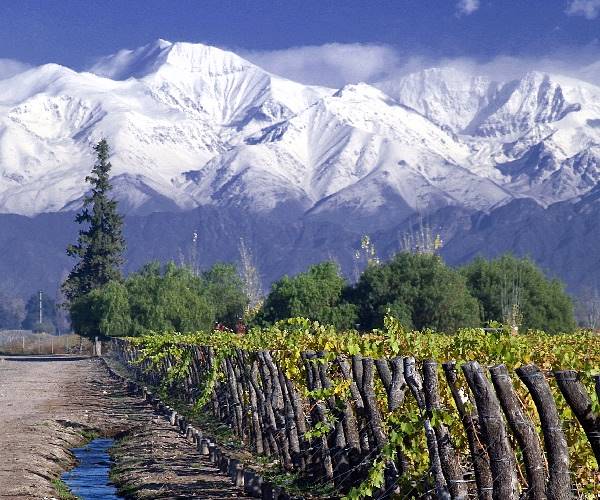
(586, 8)
(338, 64)
(332, 65)
(10, 67)
(467, 7)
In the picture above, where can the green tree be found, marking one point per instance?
(162, 298)
(419, 290)
(173, 298)
(317, 294)
(100, 243)
(225, 289)
(506, 282)
(103, 311)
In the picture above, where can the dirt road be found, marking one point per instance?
(47, 403)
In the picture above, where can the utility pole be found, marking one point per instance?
(40, 308)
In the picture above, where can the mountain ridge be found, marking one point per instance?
(202, 137)
(177, 114)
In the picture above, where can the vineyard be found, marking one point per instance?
(394, 413)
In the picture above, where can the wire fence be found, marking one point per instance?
(27, 342)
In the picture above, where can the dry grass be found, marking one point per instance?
(23, 342)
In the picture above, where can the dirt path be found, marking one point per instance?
(47, 403)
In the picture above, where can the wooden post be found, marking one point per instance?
(318, 414)
(581, 404)
(97, 349)
(350, 372)
(502, 459)
(524, 431)
(559, 483)
(448, 457)
(415, 384)
(479, 456)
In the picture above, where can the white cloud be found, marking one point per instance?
(467, 7)
(336, 64)
(587, 8)
(333, 64)
(10, 67)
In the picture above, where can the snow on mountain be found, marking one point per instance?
(447, 96)
(134, 63)
(356, 150)
(195, 125)
(534, 136)
(170, 109)
(520, 105)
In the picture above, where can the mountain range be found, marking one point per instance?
(205, 141)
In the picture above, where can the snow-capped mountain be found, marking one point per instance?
(169, 109)
(192, 125)
(205, 140)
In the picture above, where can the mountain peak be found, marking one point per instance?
(184, 56)
(206, 59)
(447, 96)
(128, 63)
(360, 91)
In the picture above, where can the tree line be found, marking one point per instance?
(422, 292)
(418, 289)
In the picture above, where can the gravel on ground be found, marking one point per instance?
(50, 404)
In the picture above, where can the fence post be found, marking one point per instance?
(470, 421)
(524, 431)
(449, 459)
(495, 435)
(559, 483)
(578, 399)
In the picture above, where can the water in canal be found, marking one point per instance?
(89, 480)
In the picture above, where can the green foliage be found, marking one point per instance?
(62, 490)
(100, 243)
(417, 289)
(543, 303)
(316, 294)
(226, 293)
(171, 298)
(104, 311)
(174, 299)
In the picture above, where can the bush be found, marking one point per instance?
(417, 289)
(317, 294)
(171, 298)
(497, 284)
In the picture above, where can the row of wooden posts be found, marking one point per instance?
(266, 411)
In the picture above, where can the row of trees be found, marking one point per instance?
(417, 288)
(168, 298)
(422, 292)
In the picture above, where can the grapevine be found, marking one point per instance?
(287, 341)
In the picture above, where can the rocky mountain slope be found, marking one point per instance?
(198, 130)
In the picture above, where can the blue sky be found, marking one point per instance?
(399, 32)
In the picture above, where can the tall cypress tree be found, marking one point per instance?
(100, 243)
